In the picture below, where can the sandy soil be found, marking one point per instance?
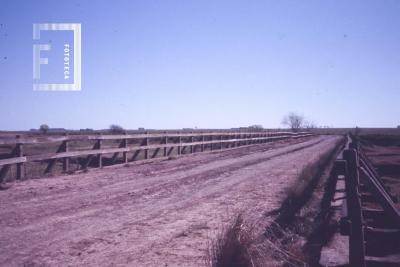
(158, 214)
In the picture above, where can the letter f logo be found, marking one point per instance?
(37, 60)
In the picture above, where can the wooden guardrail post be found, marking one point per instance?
(19, 153)
(125, 154)
(194, 140)
(356, 242)
(66, 159)
(165, 142)
(146, 143)
(191, 141)
(179, 147)
(100, 156)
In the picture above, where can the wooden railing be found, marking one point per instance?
(181, 143)
(361, 223)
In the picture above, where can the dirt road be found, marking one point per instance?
(158, 214)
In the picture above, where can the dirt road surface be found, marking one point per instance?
(157, 214)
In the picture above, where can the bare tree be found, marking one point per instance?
(294, 121)
(44, 128)
(309, 125)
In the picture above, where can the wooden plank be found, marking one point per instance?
(135, 154)
(12, 161)
(170, 151)
(33, 140)
(123, 149)
(99, 156)
(191, 141)
(90, 156)
(388, 260)
(66, 160)
(165, 148)
(357, 240)
(51, 139)
(384, 199)
(179, 145)
(146, 151)
(155, 153)
(125, 154)
(52, 162)
(368, 163)
(121, 144)
(20, 153)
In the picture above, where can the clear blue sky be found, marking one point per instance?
(210, 64)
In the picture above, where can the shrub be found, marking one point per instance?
(114, 128)
(230, 249)
(44, 128)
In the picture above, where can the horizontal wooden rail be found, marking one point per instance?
(134, 148)
(12, 161)
(363, 185)
(183, 142)
(54, 139)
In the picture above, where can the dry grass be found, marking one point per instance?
(299, 193)
(282, 245)
(281, 242)
(230, 249)
(244, 245)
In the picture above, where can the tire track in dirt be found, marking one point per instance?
(135, 219)
(163, 186)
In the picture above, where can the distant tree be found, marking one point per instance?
(44, 128)
(294, 121)
(86, 130)
(357, 130)
(114, 128)
(256, 127)
(309, 125)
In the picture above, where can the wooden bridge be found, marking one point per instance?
(369, 218)
(89, 150)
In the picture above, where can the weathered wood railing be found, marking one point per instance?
(128, 143)
(363, 184)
